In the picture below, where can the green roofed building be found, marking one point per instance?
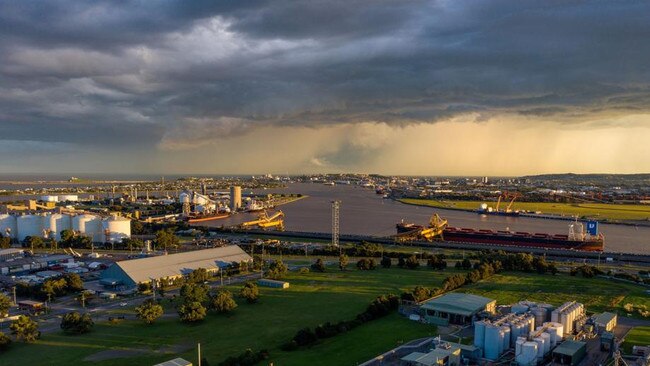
(570, 353)
(455, 308)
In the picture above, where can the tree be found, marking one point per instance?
(223, 302)
(131, 244)
(136, 227)
(76, 323)
(401, 262)
(343, 262)
(277, 270)
(33, 242)
(5, 242)
(192, 292)
(74, 282)
(250, 292)
(67, 236)
(365, 264)
(149, 311)
(198, 275)
(318, 265)
(412, 262)
(166, 239)
(386, 262)
(5, 305)
(5, 342)
(192, 311)
(25, 328)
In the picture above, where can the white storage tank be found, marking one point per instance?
(493, 342)
(29, 225)
(540, 315)
(479, 334)
(50, 198)
(519, 308)
(184, 197)
(68, 197)
(118, 228)
(506, 338)
(528, 355)
(540, 347)
(90, 226)
(547, 342)
(56, 223)
(8, 225)
(520, 342)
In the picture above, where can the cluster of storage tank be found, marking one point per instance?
(531, 349)
(496, 337)
(60, 198)
(571, 315)
(112, 229)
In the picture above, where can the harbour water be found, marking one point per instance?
(363, 212)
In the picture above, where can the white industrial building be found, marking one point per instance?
(99, 229)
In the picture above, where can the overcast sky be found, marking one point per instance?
(396, 87)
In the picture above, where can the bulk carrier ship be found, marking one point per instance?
(577, 238)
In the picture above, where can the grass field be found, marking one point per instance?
(639, 336)
(598, 294)
(601, 211)
(313, 298)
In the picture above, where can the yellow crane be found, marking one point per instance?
(434, 231)
(264, 221)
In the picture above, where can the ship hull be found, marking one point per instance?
(193, 220)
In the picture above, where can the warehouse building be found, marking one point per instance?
(455, 308)
(570, 353)
(605, 322)
(129, 273)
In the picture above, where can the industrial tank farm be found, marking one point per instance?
(112, 229)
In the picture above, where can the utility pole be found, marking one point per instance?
(14, 291)
(335, 224)
(199, 346)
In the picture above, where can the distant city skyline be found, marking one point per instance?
(433, 88)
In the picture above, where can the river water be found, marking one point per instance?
(363, 212)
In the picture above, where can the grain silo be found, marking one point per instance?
(118, 228)
(528, 354)
(29, 225)
(493, 342)
(479, 334)
(90, 226)
(8, 226)
(56, 223)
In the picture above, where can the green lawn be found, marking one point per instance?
(597, 294)
(639, 336)
(601, 211)
(312, 299)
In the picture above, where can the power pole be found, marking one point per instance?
(335, 224)
(199, 354)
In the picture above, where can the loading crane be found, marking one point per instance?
(430, 233)
(265, 222)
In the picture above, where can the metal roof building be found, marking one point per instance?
(455, 308)
(129, 273)
(606, 322)
(570, 353)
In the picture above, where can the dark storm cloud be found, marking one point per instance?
(143, 73)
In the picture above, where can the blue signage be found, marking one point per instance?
(592, 228)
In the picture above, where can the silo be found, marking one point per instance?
(519, 308)
(540, 315)
(493, 342)
(520, 341)
(8, 225)
(56, 223)
(479, 334)
(29, 225)
(506, 337)
(564, 320)
(540, 347)
(69, 197)
(547, 342)
(118, 228)
(184, 197)
(528, 355)
(90, 226)
(531, 323)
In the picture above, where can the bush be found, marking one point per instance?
(318, 266)
(75, 323)
(366, 264)
(250, 292)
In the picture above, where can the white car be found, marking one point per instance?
(124, 303)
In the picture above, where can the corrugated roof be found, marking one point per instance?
(144, 269)
(175, 362)
(569, 348)
(458, 303)
(605, 318)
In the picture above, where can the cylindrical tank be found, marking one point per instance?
(528, 355)
(519, 308)
(547, 342)
(540, 315)
(540, 347)
(506, 337)
(184, 197)
(56, 223)
(493, 342)
(90, 226)
(29, 225)
(520, 342)
(50, 198)
(531, 323)
(8, 226)
(69, 197)
(479, 334)
(118, 228)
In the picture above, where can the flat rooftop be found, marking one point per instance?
(458, 303)
(569, 348)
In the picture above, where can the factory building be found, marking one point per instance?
(571, 315)
(441, 356)
(50, 225)
(605, 322)
(570, 353)
(235, 198)
(129, 273)
(456, 308)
